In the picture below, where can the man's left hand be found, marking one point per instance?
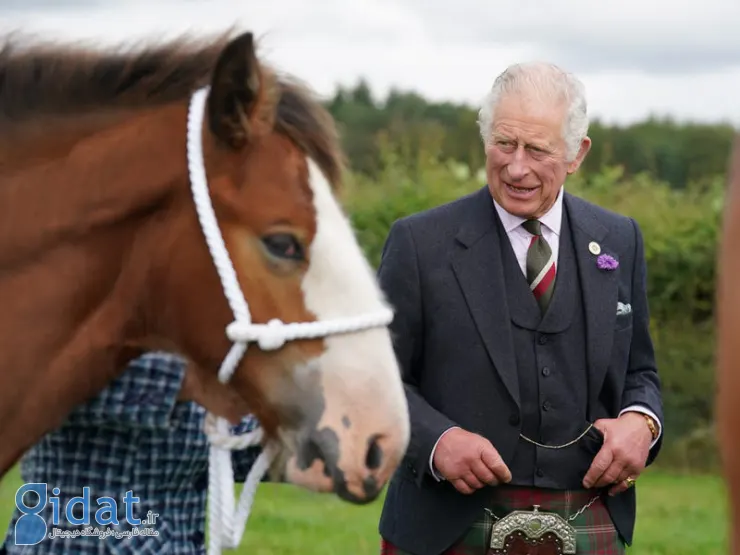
(623, 455)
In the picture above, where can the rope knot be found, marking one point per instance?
(271, 337)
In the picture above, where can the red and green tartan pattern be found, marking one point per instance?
(596, 534)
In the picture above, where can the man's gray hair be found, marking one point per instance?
(548, 83)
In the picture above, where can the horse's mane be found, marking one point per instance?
(41, 80)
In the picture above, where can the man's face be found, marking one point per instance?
(526, 162)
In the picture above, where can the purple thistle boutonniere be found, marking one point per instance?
(607, 262)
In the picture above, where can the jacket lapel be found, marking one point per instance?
(599, 290)
(477, 263)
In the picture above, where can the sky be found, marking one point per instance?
(636, 57)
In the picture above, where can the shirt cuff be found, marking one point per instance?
(651, 414)
(431, 456)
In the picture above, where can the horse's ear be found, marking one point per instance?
(235, 88)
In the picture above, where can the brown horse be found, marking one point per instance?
(102, 256)
(728, 353)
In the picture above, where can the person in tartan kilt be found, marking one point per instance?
(143, 433)
(522, 330)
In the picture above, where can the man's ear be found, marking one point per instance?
(582, 152)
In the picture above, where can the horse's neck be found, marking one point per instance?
(65, 189)
(71, 265)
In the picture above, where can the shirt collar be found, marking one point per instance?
(551, 219)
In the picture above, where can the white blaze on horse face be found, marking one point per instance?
(362, 389)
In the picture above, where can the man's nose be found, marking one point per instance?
(518, 167)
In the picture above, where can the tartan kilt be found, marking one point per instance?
(595, 531)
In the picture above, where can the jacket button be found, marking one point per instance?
(546, 371)
(514, 420)
(540, 472)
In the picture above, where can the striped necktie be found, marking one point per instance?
(540, 265)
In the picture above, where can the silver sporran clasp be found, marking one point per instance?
(533, 525)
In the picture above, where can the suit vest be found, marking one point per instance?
(550, 352)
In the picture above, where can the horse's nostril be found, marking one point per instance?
(374, 457)
(312, 451)
(322, 446)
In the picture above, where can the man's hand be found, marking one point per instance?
(205, 389)
(469, 461)
(625, 451)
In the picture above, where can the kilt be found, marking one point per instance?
(596, 534)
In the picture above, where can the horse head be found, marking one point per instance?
(104, 255)
(273, 170)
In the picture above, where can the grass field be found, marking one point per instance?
(677, 515)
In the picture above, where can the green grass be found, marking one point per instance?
(677, 515)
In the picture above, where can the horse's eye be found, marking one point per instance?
(284, 245)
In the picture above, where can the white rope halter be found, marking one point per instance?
(226, 526)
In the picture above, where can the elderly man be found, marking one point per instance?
(522, 332)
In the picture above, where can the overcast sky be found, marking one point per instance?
(636, 57)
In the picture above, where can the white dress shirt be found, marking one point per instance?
(520, 239)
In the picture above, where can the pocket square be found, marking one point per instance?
(623, 308)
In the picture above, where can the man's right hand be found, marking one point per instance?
(469, 461)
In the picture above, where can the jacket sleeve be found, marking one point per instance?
(143, 396)
(642, 383)
(399, 279)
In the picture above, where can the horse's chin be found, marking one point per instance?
(317, 478)
(285, 466)
(298, 465)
